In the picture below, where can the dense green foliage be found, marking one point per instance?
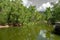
(53, 14)
(14, 12)
(56, 12)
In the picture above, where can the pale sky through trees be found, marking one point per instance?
(41, 5)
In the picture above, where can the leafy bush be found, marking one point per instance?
(54, 14)
(15, 13)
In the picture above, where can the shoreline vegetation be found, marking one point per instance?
(20, 23)
(15, 14)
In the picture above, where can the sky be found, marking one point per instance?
(41, 5)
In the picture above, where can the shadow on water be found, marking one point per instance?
(56, 33)
(56, 30)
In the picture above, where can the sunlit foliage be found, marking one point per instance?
(12, 11)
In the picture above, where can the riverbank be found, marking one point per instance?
(6, 26)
